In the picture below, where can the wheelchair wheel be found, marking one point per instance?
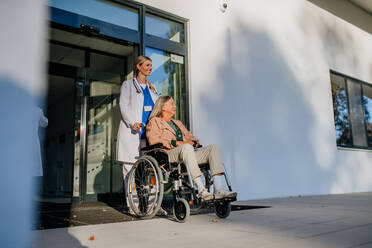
(222, 209)
(181, 210)
(145, 187)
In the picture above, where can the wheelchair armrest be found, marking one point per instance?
(152, 147)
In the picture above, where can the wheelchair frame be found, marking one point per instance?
(159, 172)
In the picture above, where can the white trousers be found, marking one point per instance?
(209, 154)
(126, 169)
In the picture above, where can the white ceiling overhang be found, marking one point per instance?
(366, 5)
(356, 12)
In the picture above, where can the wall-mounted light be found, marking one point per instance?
(223, 7)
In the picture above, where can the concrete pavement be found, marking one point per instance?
(343, 220)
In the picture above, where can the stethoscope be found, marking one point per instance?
(138, 90)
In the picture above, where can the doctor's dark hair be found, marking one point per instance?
(159, 106)
(139, 61)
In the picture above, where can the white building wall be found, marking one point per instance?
(260, 87)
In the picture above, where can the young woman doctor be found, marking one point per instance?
(137, 98)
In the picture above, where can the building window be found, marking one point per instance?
(352, 108)
(367, 104)
(166, 29)
(164, 43)
(168, 76)
(103, 10)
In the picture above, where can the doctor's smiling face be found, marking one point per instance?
(145, 68)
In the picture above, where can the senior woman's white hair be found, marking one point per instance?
(159, 106)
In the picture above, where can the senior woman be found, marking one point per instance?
(180, 143)
(137, 98)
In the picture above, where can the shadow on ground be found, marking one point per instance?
(53, 215)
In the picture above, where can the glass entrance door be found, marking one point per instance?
(85, 76)
(63, 110)
(103, 174)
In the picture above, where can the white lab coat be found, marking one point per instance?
(131, 106)
(39, 121)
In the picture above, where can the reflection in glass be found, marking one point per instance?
(106, 74)
(367, 104)
(340, 111)
(79, 84)
(168, 76)
(103, 120)
(103, 10)
(106, 63)
(164, 28)
(66, 55)
(59, 139)
(356, 113)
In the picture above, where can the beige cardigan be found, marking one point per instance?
(159, 131)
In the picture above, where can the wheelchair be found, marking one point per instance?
(153, 176)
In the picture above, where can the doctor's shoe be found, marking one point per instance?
(161, 212)
(131, 212)
(222, 193)
(205, 195)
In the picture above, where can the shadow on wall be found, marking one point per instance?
(274, 114)
(340, 49)
(338, 45)
(263, 120)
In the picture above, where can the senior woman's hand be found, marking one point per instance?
(180, 143)
(194, 142)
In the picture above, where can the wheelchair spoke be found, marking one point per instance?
(143, 191)
(146, 188)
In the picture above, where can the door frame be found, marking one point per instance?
(72, 22)
(83, 196)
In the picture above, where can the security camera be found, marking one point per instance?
(223, 7)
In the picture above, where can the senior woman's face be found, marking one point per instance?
(145, 68)
(169, 107)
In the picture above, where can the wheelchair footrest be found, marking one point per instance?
(225, 199)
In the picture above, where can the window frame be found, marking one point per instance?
(346, 79)
(62, 19)
(177, 48)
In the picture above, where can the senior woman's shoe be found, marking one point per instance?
(222, 193)
(205, 195)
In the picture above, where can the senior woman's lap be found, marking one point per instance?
(187, 154)
(210, 154)
(181, 153)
